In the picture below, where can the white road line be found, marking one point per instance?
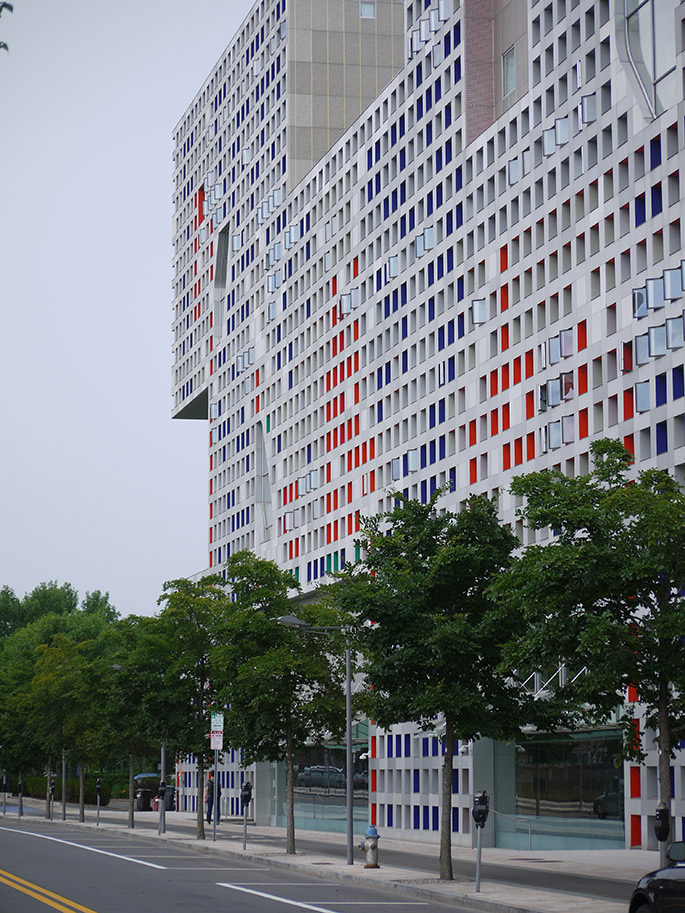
(81, 846)
(292, 903)
(308, 906)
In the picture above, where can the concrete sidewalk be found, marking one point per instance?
(618, 865)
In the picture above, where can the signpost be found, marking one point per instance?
(217, 743)
(161, 792)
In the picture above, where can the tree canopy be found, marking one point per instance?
(190, 623)
(432, 637)
(603, 597)
(286, 689)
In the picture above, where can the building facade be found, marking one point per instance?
(429, 242)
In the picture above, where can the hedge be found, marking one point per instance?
(36, 786)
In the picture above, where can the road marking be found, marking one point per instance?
(56, 901)
(292, 903)
(212, 868)
(308, 906)
(81, 846)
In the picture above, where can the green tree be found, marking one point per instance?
(285, 689)
(138, 708)
(64, 693)
(433, 638)
(48, 688)
(603, 598)
(191, 619)
(49, 599)
(10, 612)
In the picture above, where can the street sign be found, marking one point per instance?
(217, 722)
(217, 740)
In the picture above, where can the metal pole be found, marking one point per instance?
(350, 771)
(4, 793)
(244, 825)
(97, 813)
(162, 814)
(215, 793)
(20, 799)
(64, 785)
(479, 845)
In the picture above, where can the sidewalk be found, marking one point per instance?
(619, 865)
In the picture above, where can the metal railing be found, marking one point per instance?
(517, 821)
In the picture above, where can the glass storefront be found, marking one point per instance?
(568, 793)
(320, 786)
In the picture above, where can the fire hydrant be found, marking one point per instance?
(370, 846)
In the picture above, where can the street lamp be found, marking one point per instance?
(292, 621)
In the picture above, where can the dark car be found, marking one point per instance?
(662, 891)
(322, 777)
(147, 790)
(608, 804)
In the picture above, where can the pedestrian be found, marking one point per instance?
(209, 798)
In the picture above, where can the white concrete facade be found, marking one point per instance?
(473, 275)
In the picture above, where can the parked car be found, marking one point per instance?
(147, 790)
(662, 891)
(321, 777)
(608, 804)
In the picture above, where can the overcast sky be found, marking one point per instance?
(98, 486)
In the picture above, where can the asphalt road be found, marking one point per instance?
(569, 882)
(552, 880)
(72, 870)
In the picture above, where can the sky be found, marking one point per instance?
(98, 486)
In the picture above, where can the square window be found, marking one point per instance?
(367, 9)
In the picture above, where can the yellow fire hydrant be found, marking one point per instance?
(370, 845)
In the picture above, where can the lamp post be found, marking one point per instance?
(292, 621)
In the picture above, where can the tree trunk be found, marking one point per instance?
(664, 755)
(81, 791)
(200, 833)
(48, 779)
(289, 790)
(446, 810)
(131, 789)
